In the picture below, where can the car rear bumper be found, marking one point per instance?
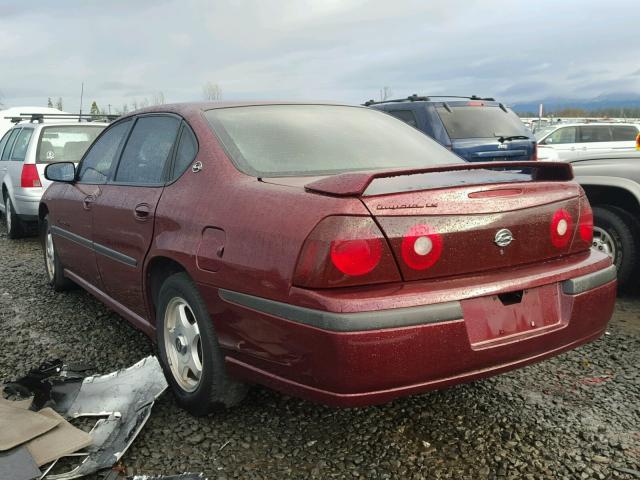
(358, 358)
(27, 203)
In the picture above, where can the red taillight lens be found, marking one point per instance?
(345, 251)
(421, 247)
(30, 177)
(638, 142)
(356, 257)
(561, 228)
(585, 225)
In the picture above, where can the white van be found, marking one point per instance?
(568, 141)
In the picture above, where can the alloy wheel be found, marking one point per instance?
(50, 257)
(183, 344)
(603, 242)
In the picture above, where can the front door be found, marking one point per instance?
(72, 217)
(124, 213)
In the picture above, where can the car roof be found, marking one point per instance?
(583, 124)
(185, 108)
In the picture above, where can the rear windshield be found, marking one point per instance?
(480, 122)
(66, 143)
(302, 140)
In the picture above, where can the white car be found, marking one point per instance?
(568, 141)
(25, 150)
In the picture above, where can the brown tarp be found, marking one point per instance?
(18, 425)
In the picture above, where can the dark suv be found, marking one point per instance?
(477, 129)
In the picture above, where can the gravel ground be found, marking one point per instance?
(575, 416)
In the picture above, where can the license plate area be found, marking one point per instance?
(512, 316)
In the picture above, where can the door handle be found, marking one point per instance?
(142, 211)
(87, 201)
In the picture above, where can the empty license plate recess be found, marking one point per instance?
(498, 319)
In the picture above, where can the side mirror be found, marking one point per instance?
(60, 172)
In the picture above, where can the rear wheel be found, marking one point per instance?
(614, 233)
(52, 264)
(15, 228)
(189, 350)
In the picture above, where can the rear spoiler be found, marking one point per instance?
(355, 184)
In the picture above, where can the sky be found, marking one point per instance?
(338, 50)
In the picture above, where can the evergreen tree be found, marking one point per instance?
(94, 109)
(49, 103)
(59, 103)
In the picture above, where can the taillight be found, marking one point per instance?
(30, 177)
(561, 228)
(585, 224)
(534, 154)
(345, 251)
(638, 142)
(421, 247)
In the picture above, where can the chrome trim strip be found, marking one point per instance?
(349, 322)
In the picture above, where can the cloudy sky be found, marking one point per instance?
(343, 50)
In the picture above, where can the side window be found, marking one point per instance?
(4, 140)
(97, 162)
(624, 133)
(147, 151)
(20, 147)
(10, 141)
(595, 133)
(562, 135)
(406, 116)
(187, 150)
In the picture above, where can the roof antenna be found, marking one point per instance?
(81, 95)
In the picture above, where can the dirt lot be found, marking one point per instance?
(575, 416)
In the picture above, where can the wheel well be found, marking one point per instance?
(4, 191)
(616, 196)
(42, 211)
(158, 270)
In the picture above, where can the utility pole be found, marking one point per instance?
(81, 95)
(109, 105)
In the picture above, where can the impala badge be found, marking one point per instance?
(503, 237)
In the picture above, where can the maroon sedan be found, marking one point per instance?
(328, 251)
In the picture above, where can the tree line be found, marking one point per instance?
(616, 112)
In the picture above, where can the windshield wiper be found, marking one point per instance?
(505, 138)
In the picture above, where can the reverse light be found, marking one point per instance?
(421, 247)
(345, 251)
(561, 228)
(29, 177)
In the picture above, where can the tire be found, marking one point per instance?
(621, 228)
(52, 265)
(15, 229)
(189, 351)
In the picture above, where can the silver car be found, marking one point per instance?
(25, 150)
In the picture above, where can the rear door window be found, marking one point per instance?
(470, 121)
(406, 116)
(186, 152)
(147, 151)
(595, 133)
(97, 163)
(9, 145)
(66, 143)
(562, 135)
(21, 144)
(624, 133)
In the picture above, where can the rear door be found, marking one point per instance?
(15, 163)
(6, 145)
(594, 139)
(72, 213)
(624, 137)
(124, 212)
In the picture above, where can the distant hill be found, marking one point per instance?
(613, 103)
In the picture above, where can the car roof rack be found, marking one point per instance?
(418, 98)
(40, 117)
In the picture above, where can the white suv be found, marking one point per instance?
(568, 141)
(25, 150)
